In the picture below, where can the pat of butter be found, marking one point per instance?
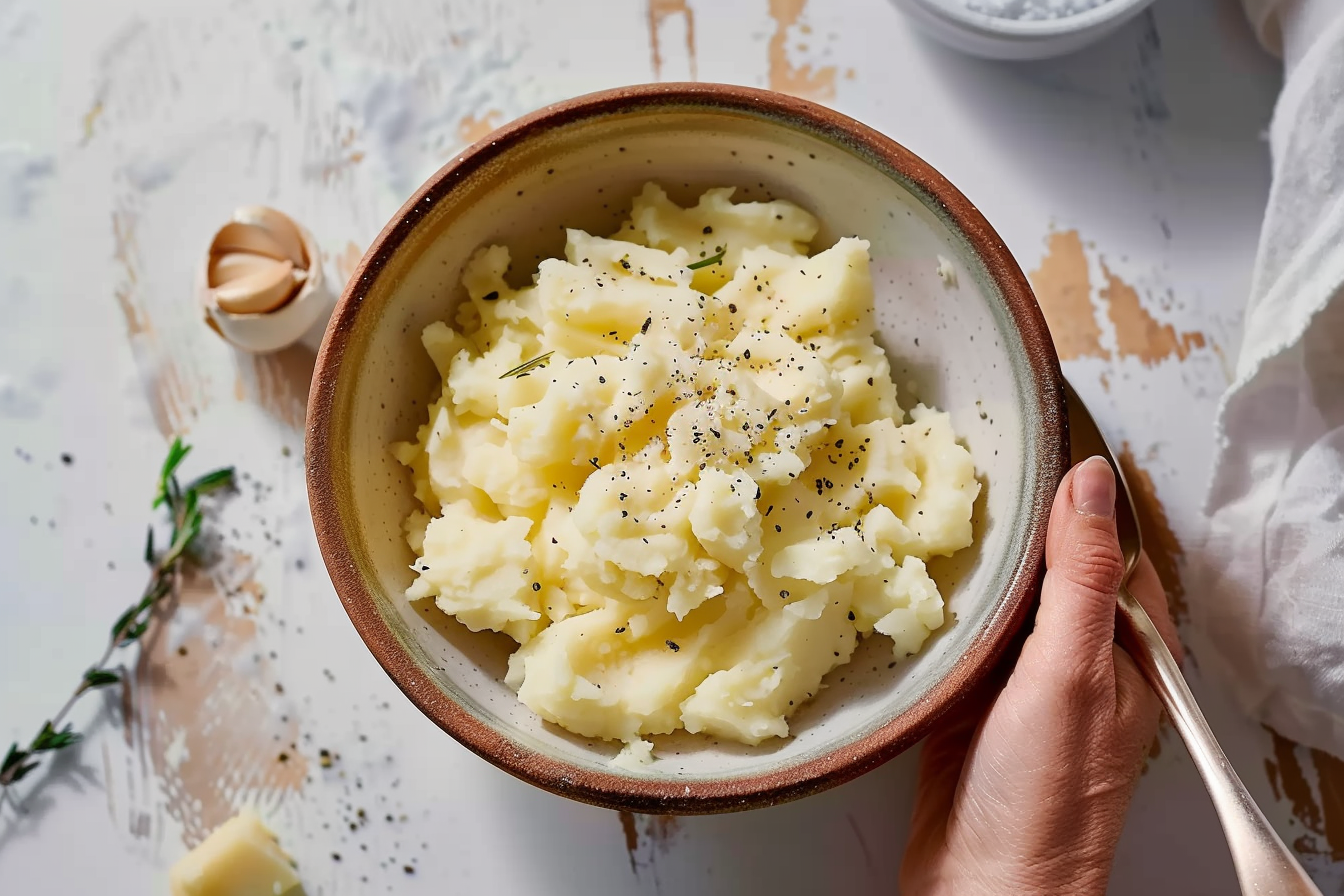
(241, 858)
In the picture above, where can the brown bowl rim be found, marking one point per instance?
(670, 795)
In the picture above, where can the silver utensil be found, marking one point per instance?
(1265, 867)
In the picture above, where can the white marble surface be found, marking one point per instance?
(130, 127)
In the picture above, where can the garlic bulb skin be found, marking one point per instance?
(261, 283)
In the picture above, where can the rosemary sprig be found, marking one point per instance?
(526, 366)
(165, 566)
(716, 258)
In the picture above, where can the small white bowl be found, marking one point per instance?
(995, 37)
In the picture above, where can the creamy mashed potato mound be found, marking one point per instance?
(681, 482)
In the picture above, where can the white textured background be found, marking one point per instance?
(1129, 180)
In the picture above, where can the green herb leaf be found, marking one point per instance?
(220, 478)
(149, 545)
(706, 262)
(50, 739)
(12, 758)
(194, 527)
(137, 621)
(98, 678)
(524, 367)
(15, 766)
(122, 621)
(176, 452)
(18, 773)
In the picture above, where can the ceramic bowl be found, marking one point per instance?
(955, 24)
(979, 349)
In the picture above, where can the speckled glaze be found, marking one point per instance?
(979, 349)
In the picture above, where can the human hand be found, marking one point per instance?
(1025, 790)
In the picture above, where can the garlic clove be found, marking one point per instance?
(239, 237)
(254, 294)
(259, 292)
(236, 265)
(280, 227)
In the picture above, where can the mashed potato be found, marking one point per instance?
(675, 471)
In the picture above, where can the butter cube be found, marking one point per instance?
(241, 858)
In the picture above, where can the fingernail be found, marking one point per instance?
(1094, 488)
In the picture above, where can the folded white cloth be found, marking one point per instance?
(1269, 603)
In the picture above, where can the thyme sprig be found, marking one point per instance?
(185, 517)
(716, 258)
(527, 366)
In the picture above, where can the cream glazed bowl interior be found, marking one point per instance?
(977, 348)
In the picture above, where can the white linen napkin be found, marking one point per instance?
(1268, 608)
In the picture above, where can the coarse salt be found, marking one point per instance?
(1032, 10)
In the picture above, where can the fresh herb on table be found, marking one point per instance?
(706, 262)
(184, 508)
(526, 366)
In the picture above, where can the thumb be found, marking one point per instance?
(1076, 620)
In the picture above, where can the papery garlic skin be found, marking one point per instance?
(261, 283)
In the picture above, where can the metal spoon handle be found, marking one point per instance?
(1265, 867)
